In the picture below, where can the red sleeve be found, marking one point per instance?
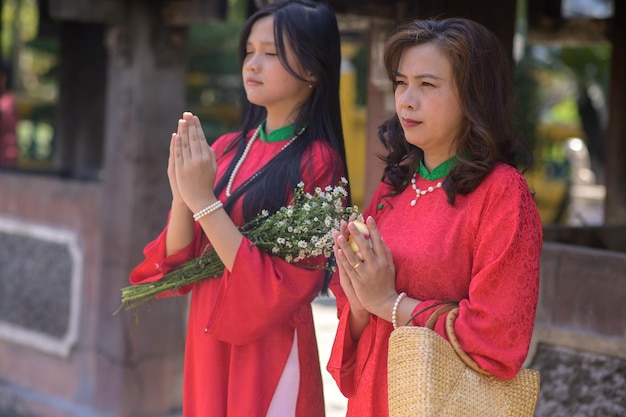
(495, 323)
(155, 264)
(342, 364)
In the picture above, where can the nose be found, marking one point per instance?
(251, 62)
(407, 99)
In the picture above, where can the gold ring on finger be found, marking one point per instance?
(356, 265)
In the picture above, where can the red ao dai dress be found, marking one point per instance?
(251, 348)
(484, 251)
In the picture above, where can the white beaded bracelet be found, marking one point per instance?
(207, 210)
(394, 311)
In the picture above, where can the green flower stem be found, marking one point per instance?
(293, 233)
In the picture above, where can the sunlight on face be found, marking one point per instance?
(427, 102)
(266, 81)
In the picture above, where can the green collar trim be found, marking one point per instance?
(439, 172)
(277, 135)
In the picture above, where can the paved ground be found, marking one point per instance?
(325, 316)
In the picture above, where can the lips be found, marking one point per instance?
(252, 82)
(406, 122)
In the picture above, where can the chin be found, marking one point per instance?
(412, 141)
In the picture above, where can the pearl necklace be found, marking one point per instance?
(418, 192)
(229, 185)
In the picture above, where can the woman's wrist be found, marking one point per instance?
(401, 310)
(179, 203)
(202, 203)
(358, 320)
(179, 208)
(394, 310)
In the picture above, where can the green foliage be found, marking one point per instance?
(19, 24)
(237, 11)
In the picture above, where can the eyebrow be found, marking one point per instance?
(264, 43)
(427, 75)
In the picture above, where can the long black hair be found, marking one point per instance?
(310, 29)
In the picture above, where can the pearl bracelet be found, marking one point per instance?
(208, 210)
(394, 311)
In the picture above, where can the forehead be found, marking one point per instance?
(424, 59)
(262, 30)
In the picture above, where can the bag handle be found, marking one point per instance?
(432, 320)
(454, 342)
(452, 308)
(443, 307)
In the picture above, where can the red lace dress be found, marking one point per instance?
(484, 251)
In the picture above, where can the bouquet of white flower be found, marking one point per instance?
(295, 233)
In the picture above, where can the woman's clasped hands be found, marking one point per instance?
(192, 165)
(367, 276)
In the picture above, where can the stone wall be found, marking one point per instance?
(50, 270)
(579, 343)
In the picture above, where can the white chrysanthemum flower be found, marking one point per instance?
(294, 233)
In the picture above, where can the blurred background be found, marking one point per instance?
(90, 91)
(562, 90)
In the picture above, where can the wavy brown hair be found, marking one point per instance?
(483, 76)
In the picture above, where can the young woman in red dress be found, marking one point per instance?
(452, 219)
(251, 348)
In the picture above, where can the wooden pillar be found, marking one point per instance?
(380, 105)
(615, 202)
(139, 365)
(82, 86)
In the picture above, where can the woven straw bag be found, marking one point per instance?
(427, 376)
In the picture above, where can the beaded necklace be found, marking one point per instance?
(419, 192)
(229, 185)
(438, 173)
